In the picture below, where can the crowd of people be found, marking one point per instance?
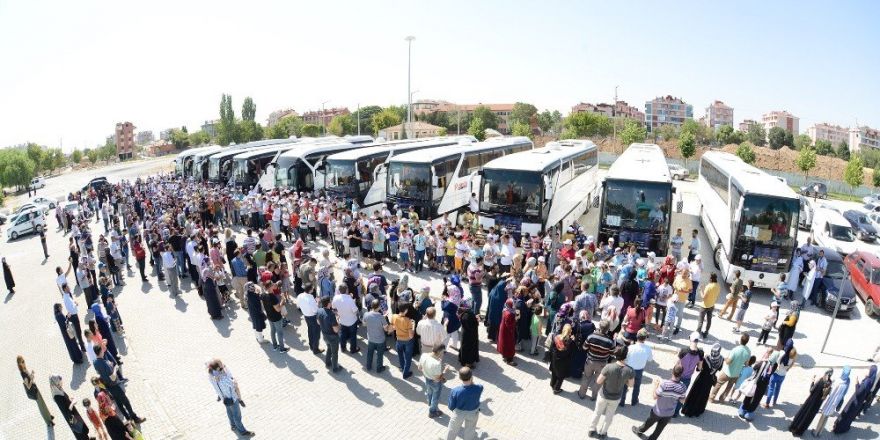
(588, 308)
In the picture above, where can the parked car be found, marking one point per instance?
(815, 190)
(72, 208)
(678, 172)
(28, 206)
(860, 224)
(871, 198)
(864, 269)
(96, 183)
(26, 222)
(44, 202)
(833, 289)
(831, 230)
(874, 219)
(38, 182)
(871, 207)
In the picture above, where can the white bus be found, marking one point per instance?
(750, 217)
(183, 161)
(440, 181)
(636, 200)
(303, 167)
(248, 166)
(534, 190)
(360, 175)
(220, 163)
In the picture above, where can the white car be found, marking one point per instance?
(44, 202)
(38, 183)
(26, 222)
(832, 230)
(678, 172)
(29, 206)
(873, 198)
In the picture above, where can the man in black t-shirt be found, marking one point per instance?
(272, 306)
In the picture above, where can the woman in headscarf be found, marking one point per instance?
(808, 282)
(7, 277)
(560, 358)
(104, 329)
(212, 296)
(786, 328)
(552, 303)
(853, 407)
(784, 360)
(424, 300)
(69, 337)
(33, 392)
(449, 306)
(797, 266)
(871, 395)
(68, 409)
(507, 333)
(468, 355)
(761, 378)
(629, 289)
(584, 328)
(805, 415)
(832, 403)
(695, 402)
(523, 305)
(255, 310)
(495, 307)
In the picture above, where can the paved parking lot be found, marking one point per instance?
(291, 395)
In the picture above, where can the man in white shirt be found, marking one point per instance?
(696, 268)
(308, 306)
(346, 312)
(169, 264)
(637, 358)
(72, 313)
(507, 252)
(474, 204)
(431, 332)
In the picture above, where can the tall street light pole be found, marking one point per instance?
(411, 131)
(323, 125)
(409, 39)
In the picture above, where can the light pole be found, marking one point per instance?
(409, 134)
(323, 126)
(359, 119)
(409, 39)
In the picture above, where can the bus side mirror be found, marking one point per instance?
(674, 190)
(480, 173)
(435, 181)
(548, 189)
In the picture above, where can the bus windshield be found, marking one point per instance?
(409, 180)
(637, 205)
(214, 168)
(340, 173)
(767, 233)
(511, 191)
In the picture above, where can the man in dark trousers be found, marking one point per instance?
(43, 242)
(110, 377)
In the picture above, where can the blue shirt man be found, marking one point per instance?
(464, 400)
(238, 267)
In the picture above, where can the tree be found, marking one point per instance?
(400, 110)
(249, 131)
(226, 131)
(776, 137)
(76, 156)
(107, 152)
(875, 178)
(489, 118)
(386, 118)
(441, 131)
(199, 138)
(365, 115)
(737, 137)
(583, 125)
(632, 132)
(179, 139)
(477, 129)
(802, 141)
(724, 135)
(687, 146)
(843, 150)
(806, 161)
(746, 153)
(756, 135)
(248, 109)
(93, 156)
(35, 153)
(854, 175)
(789, 140)
(16, 168)
(48, 163)
(701, 133)
(286, 127)
(311, 130)
(521, 129)
(522, 113)
(824, 148)
(342, 125)
(667, 132)
(548, 120)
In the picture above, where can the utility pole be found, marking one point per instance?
(613, 114)
(359, 119)
(458, 113)
(323, 125)
(409, 39)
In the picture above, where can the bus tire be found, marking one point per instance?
(717, 258)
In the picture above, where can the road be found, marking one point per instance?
(169, 339)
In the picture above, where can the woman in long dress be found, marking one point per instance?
(762, 374)
(794, 275)
(808, 281)
(853, 407)
(212, 296)
(104, 327)
(468, 355)
(805, 415)
(255, 310)
(524, 319)
(831, 404)
(507, 333)
(560, 358)
(68, 409)
(73, 350)
(33, 393)
(110, 417)
(7, 277)
(698, 397)
(495, 307)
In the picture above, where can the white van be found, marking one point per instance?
(38, 183)
(832, 230)
(26, 222)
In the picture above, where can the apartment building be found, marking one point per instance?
(783, 119)
(828, 132)
(667, 110)
(503, 111)
(124, 140)
(863, 137)
(276, 116)
(418, 129)
(165, 135)
(620, 109)
(210, 127)
(601, 108)
(144, 137)
(718, 114)
(323, 117)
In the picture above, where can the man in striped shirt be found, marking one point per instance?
(668, 394)
(250, 243)
(599, 347)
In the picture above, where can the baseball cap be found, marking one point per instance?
(695, 337)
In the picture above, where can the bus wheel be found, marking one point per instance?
(717, 257)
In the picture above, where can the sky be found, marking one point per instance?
(71, 70)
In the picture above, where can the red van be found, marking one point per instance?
(864, 269)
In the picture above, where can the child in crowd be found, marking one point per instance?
(95, 418)
(746, 373)
(537, 328)
(769, 322)
(671, 313)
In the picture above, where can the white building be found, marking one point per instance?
(863, 137)
(782, 119)
(827, 132)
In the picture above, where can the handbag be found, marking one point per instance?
(71, 330)
(749, 386)
(228, 401)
